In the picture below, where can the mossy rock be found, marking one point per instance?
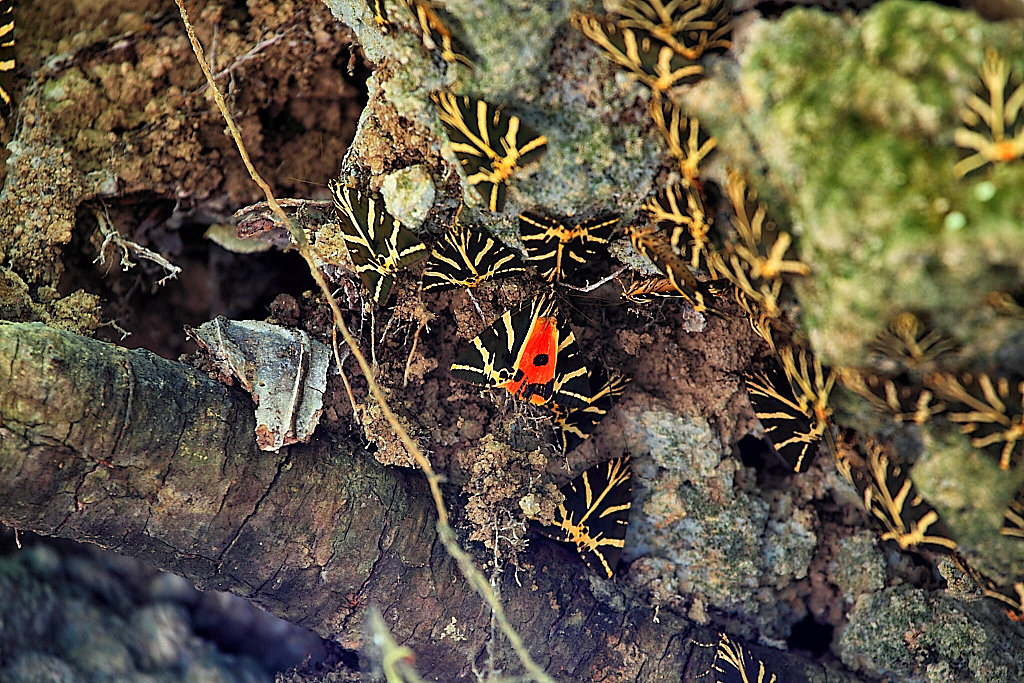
(855, 119)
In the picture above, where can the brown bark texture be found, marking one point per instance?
(153, 459)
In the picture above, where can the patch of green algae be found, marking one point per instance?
(855, 119)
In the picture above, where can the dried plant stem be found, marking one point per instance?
(447, 536)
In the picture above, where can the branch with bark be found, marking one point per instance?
(153, 459)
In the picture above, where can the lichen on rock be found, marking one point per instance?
(700, 535)
(910, 634)
(853, 119)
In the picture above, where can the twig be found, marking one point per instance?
(242, 59)
(444, 530)
(590, 288)
(478, 309)
(412, 352)
(111, 235)
(341, 371)
(373, 338)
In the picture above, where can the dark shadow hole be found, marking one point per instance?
(810, 636)
(754, 452)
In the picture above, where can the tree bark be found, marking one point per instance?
(153, 459)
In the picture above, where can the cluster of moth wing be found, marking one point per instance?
(992, 119)
(744, 268)
(6, 56)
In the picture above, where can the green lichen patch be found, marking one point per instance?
(970, 492)
(911, 634)
(705, 536)
(859, 567)
(855, 119)
(409, 194)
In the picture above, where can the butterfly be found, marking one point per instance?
(655, 245)
(651, 289)
(490, 144)
(380, 15)
(434, 23)
(559, 248)
(679, 208)
(993, 118)
(733, 664)
(466, 258)
(890, 497)
(689, 27)
(378, 245)
(595, 515)
(788, 418)
(532, 353)
(687, 143)
(989, 409)
(648, 59)
(573, 427)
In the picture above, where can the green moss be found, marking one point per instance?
(855, 119)
(970, 492)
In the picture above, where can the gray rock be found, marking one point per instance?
(911, 635)
(28, 613)
(36, 667)
(103, 657)
(42, 560)
(97, 579)
(225, 669)
(859, 568)
(159, 635)
(80, 621)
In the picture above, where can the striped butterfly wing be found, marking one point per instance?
(989, 409)
(680, 209)
(7, 61)
(686, 141)
(992, 119)
(468, 257)
(690, 27)
(436, 23)
(734, 664)
(648, 59)
(595, 515)
(573, 427)
(531, 353)
(898, 511)
(650, 290)
(656, 247)
(490, 144)
(558, 248)
(791, 427)
(380, 15)
(378, 245)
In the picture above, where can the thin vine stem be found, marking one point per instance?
(447, 536)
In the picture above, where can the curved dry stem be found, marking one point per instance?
(447, 535)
